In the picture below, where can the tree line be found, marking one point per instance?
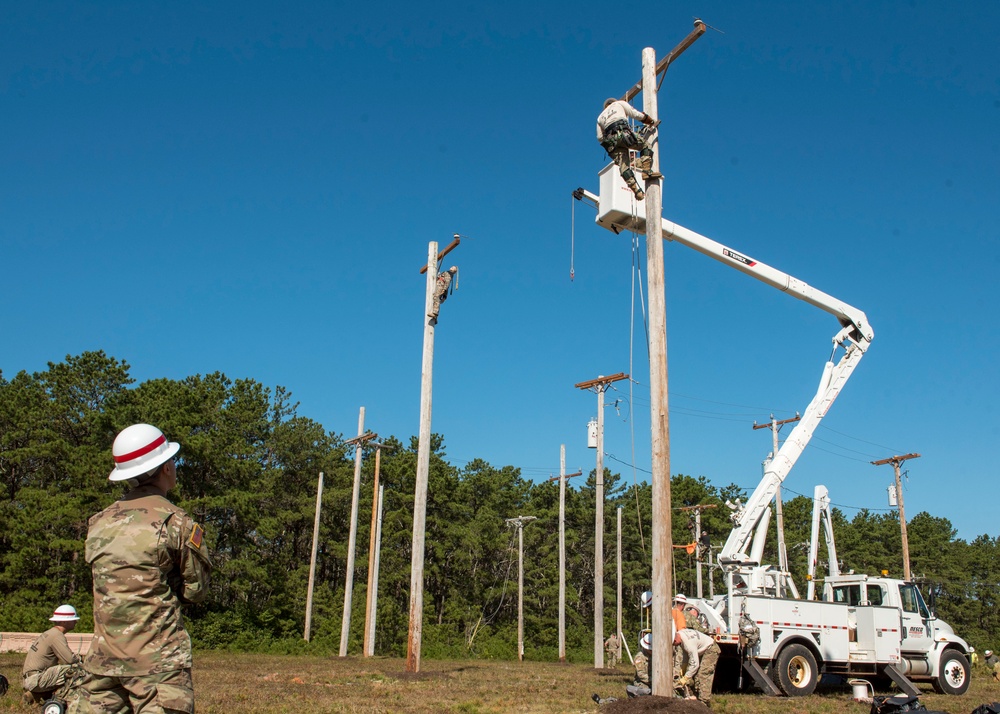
(248, 472)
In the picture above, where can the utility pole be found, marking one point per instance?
(519, 524)
(562, 548)
(697, 539)
(599, 385)
(618, 620)
(312, 559)
(415, 633)
(372, 593)
(896, 461)
(775, 426)
(661, 676)
(359, 445)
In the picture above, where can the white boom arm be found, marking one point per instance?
(616, 214)
(821, 517)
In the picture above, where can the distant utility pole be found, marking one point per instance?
(775, 426)
(896, 461)
(562, 548)
(519, 524)
(312, 559)
(373, 557)
(618, 601)
(359, 442)
(700, 553)
(661, 676)
(423, 461)
(599, 385)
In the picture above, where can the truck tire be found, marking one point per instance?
(953, 676)
(795, 671)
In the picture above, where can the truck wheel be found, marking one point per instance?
(796, 672)
(953, 677)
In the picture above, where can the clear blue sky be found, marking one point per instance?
(248, 188)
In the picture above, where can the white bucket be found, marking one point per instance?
(861, 689)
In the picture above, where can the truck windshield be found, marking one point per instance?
(912, 602)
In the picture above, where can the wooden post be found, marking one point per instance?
(369, 646)
(345, 626)
(312, 559)
(618, 623)
(896, 461)
(423, 467)
(374, 580)
(599, 385)
(562, 552)
(519, 524)
(661, 675)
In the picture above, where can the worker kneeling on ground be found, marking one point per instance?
(51, 669)
(702, 654)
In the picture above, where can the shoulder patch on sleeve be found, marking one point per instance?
(197, 534)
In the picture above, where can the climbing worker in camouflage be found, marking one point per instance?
(616, 136)
(148, 558)
(441, 291)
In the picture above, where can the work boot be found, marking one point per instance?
(651, 175)
(644, 163)
(639, 194)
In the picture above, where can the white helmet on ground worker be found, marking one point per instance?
(65, 613)
(681, 598)
(139, 450)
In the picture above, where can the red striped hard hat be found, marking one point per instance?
(138, 450)
(65, 613)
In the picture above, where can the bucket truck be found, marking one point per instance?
(786, 644)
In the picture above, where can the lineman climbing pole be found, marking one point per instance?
(423, 461)
(896, 461)
(599, 385)
(661, 677)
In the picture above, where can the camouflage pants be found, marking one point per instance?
(142, 694)
(705, 675)
(62, 682)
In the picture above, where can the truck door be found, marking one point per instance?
(918, 635)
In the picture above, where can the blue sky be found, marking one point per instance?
(247, 188)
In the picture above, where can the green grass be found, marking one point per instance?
(274, 684)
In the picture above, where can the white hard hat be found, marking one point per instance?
(971, 648)
(647, 599)
(680, 597)
(646, 642)
(139, 449)
(65, 613)
(988, 652)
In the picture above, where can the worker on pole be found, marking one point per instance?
(616, 136)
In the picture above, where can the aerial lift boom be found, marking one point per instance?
(616, 213)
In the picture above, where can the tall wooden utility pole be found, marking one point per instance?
(359, 445)
(896, 461)
(415, 633)
(312, 559)
(599, 385)
(562, 548)
(618, 601)
(661, 677)
(371, 600)
(775, 426)
(519, 524)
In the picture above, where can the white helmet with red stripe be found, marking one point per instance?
(140, 449)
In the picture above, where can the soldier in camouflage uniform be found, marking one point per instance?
(52, 669)
(148, 557)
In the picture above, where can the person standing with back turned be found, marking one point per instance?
(148, 558)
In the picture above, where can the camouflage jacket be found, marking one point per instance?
(147, 558)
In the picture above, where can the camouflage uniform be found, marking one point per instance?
(617, 138)
(148, 558)
(441, 291)
(640, 687)
(51, 668)
(702, 655)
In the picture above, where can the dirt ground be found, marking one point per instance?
(655, 704)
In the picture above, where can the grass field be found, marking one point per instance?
(271, 684)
